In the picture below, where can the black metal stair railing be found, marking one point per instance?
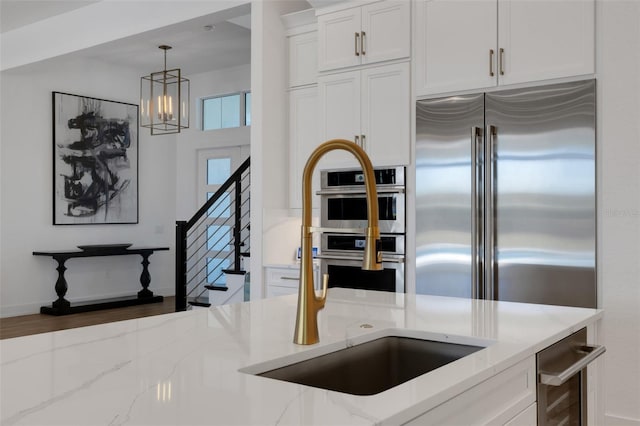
(213, 240)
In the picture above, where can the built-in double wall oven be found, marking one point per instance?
(343, 208)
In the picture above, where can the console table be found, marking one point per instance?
(62, 306)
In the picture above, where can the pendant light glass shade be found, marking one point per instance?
(164, 100)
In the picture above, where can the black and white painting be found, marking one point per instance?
(95, 161)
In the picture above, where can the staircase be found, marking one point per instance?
(210, 246)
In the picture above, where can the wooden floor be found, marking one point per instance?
(33, 324)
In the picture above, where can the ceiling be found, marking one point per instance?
(18, 13)
(217, 41)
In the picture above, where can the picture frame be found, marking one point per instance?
(95, 161)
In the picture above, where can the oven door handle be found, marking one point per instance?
(557, 379)
(383, 190)
(359, 259)
(358, 231)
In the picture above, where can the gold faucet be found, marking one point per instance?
(309, 303)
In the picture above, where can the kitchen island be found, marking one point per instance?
(183, 368)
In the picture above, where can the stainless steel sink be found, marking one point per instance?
(374, 366)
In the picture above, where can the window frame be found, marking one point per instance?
(242, 111)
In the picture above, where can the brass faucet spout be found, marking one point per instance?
(309, 303)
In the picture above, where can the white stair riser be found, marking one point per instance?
(234, 294)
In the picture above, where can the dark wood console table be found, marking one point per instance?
(62, 306)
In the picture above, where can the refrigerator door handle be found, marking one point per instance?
(491, 177)
(476, 269)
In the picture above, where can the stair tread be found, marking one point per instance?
(216, 287)
(234, 271)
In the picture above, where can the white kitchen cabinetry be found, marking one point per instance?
(303, 59)
(303, 139)
(302, 39)
(284, 280)
(527, 417)
(371, 33)
(281, 281)
(371, 107)
(508, 398)
(500, 42)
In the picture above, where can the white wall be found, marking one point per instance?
(190, 141)
(618, 76)
(26, 191)
(167, 192)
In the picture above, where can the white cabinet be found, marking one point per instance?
(302, 39)
(283, 280)
(338, 114)
(303, 139)
(499, 42)
(508, 398)
(527, 417)
(303, 59)
(371, 107)
(363, 35)
(545, 39)
(454, 57)
(385, 116)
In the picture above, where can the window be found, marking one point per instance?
(247, 109)
(223, 112)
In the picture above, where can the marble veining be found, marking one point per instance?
(186, 368)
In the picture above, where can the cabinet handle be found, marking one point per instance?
(290, 278)
(491, 73)
(356, 138)
(356, 44)
(363, 139)
(362, 36)
(501, 61)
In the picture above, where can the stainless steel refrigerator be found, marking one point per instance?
(505, 195)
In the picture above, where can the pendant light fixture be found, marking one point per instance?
(164, 100)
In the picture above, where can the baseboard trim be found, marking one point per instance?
(611, 420)
(34, 308)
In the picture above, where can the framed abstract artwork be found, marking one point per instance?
(95, 161)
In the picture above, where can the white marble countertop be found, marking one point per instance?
(182, 368)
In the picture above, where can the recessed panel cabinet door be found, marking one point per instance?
(386, 114)
(303, 59)
(385, 31)
(339, 113)
(544, 39)
(338, 46)
(455, 45)
(303, 139)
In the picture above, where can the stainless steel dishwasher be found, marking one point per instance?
(562, 380)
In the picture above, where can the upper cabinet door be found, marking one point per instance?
(339, 39)
(386, 114)
(339, 113)
(303, 139)
(375, 32)
(544, 39)
(455, 45)
(303, 59)
(386, 31)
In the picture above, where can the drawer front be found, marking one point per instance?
(528, 417)
(495, 401)
(283, 277)
(276, 290)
